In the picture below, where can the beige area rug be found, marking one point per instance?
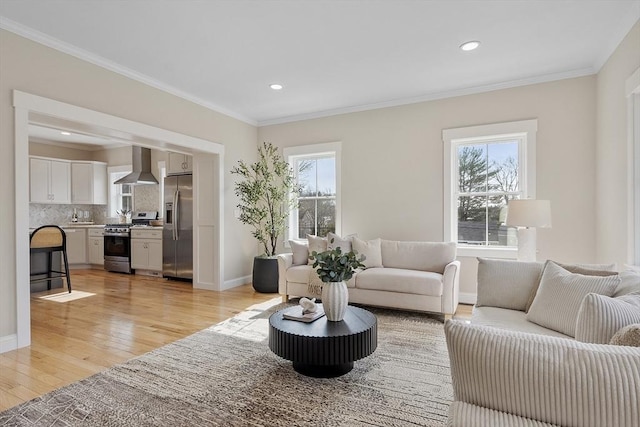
(66, 296)
(227, 376)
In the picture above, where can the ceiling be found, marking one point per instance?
(331, 56)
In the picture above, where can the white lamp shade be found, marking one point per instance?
(529, 213)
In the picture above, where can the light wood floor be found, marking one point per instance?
(128, 316)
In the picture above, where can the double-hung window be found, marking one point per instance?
(317, 172)
(120, 195)
(485, 167)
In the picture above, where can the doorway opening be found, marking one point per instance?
(208, 185)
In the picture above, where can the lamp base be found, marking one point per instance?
(526, 244)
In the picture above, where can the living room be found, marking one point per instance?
(392, 157)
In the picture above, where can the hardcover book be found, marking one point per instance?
(296, 313)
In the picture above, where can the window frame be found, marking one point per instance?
(312, 151)
(523, 130)
(111, 170)
(632, 89)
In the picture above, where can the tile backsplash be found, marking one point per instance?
(44, 214)
(145, 198)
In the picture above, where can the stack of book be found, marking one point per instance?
(297, 313)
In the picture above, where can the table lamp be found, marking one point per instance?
(527, 215)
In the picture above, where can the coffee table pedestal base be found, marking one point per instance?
(322, 371)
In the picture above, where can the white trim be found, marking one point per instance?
(92, 58)
(8, 343)
(524, 129)
(234, 283)
(26, 105)
(332, 148)
(632, 92)
(433, 96)
(467, 298)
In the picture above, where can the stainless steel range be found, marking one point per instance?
(117, 248)
(117, 242)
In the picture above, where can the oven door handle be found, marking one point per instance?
(176, 214)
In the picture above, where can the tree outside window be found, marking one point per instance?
(488, 177)
(316, 212)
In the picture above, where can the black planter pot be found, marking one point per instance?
(265, 275)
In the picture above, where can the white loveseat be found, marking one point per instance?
(509, 371)
(421, 276)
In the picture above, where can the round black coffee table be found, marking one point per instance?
(321, 348)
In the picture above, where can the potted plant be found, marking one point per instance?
(334, 268)
(267, 193)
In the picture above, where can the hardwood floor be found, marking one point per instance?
(128, 316)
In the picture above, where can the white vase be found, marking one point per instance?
(335, 298)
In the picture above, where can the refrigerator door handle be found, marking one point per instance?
(176, 208)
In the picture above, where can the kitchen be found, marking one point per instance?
(73, 185)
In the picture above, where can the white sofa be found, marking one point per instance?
(421, 276)
(510, 371)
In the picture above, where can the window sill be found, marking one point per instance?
(487, 252)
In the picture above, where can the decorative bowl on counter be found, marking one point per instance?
(156, 222)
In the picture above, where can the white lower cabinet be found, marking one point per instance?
(146, 249)
(96, 246)
(76, 245)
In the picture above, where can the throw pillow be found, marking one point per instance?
(316, 244)
(629, 282)
(600, 317)
(335, 241)
(300, 252)
(507, 284)
(560, 294)
(371, 249)
(585, 269)
(629, 336)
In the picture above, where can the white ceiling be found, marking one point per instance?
(331, 56)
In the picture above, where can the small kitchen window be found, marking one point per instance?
(120, 195)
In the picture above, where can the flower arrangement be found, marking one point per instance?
(335, 266)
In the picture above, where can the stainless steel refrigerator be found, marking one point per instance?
(177, 235)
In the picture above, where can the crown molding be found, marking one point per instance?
(84, 55)
(433, 96)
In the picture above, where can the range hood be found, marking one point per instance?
(141, 165)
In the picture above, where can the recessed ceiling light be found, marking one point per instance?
(65, 132)
(469, 45)
(276, 86)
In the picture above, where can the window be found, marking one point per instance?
(486, 166)
(316, 170)
(120, 195)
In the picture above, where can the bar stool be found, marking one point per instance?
(49, 239)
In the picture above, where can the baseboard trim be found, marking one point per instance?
(8, 343)
(234, 283)
(466, 298)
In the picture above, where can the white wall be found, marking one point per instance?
(392, 163)
(34, 68)
(611, 150)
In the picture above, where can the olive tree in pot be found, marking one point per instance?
(267, 193)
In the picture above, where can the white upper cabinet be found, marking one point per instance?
(50, 180)
(179, 163)
(89, 183)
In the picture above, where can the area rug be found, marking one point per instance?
(227, 376)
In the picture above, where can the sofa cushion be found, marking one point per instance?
(629, 282)
(513, 320)
(300, 251)
(316, 244)
(586, 269)
(335, 241)
(506, 283)
(400, 280)
(629, 336)
(600, 317)
(560, 294)
(370, 249)
(424, 256)
(468, 415)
